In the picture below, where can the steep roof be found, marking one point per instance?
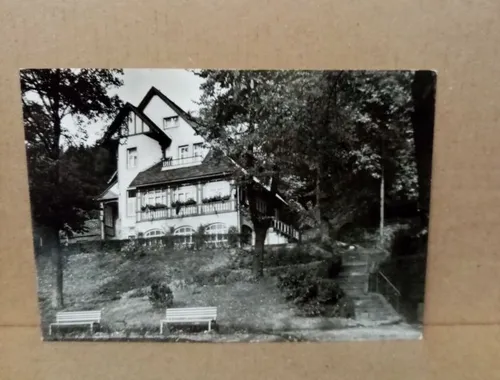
(211, 166)
(108, 194)
(155, 131)
(153, 91)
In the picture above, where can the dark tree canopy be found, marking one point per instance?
(332, 134)
(58, 105)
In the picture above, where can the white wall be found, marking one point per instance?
(149, 153)
(184, 134)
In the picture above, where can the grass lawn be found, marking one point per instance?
(247, 310)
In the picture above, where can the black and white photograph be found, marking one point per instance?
(206, 205)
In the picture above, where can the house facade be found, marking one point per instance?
(169, 180)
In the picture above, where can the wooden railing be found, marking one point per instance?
(189, 210)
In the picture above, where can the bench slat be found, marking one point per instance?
(75, 316)
(190, 315)
(84, 317)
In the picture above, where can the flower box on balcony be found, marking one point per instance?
(157, 206)
(216, 198)
(187, 202)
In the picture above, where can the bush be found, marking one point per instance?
(241, 259)
(233, 237)
(298, 286)
(160, 295)
(200, 237)
(314, 296)
(133, 249)
(282, 256)
(330, 268)
(329, 292)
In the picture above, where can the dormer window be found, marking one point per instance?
(171, 122)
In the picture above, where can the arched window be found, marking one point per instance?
(187, 233)
(216, 232)
(154, 233)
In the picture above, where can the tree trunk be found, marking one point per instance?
(57, 269)
(382, 205)
(324, 227)
(258, 258)
(423, 93)
(56, 254)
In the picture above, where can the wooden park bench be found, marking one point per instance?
(191, 315)
(76, 318)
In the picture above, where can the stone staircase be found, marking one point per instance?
(371, 308)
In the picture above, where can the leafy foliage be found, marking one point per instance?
(200, 236)
(160, 295)
(314, 296)
(62, 173)
(233, 237)
(61, 194)
(322, 133)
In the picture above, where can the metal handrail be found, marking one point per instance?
(390, 283)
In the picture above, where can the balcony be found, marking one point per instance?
(187, 211)
(170, 163)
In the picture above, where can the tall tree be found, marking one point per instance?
(239, 114)
(50, 98)
(381, 108)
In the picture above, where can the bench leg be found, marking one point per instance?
(50, 329)
(209, 325)
(91, 328)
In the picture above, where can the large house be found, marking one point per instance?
(169, 179)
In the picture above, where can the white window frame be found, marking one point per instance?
(217, 232)
(154, 233)
(220, 190)
(183, 194)
(171, 122)
(150, 198)
(187, 232)
(132, 158)
(183, 153)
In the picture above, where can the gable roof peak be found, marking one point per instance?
(153, 91)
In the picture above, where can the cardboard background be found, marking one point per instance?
(458, 38)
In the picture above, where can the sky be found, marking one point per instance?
(179, 85)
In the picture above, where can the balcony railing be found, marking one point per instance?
(170, 162)
(186, 211)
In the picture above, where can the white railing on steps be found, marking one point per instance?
(285, 229)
